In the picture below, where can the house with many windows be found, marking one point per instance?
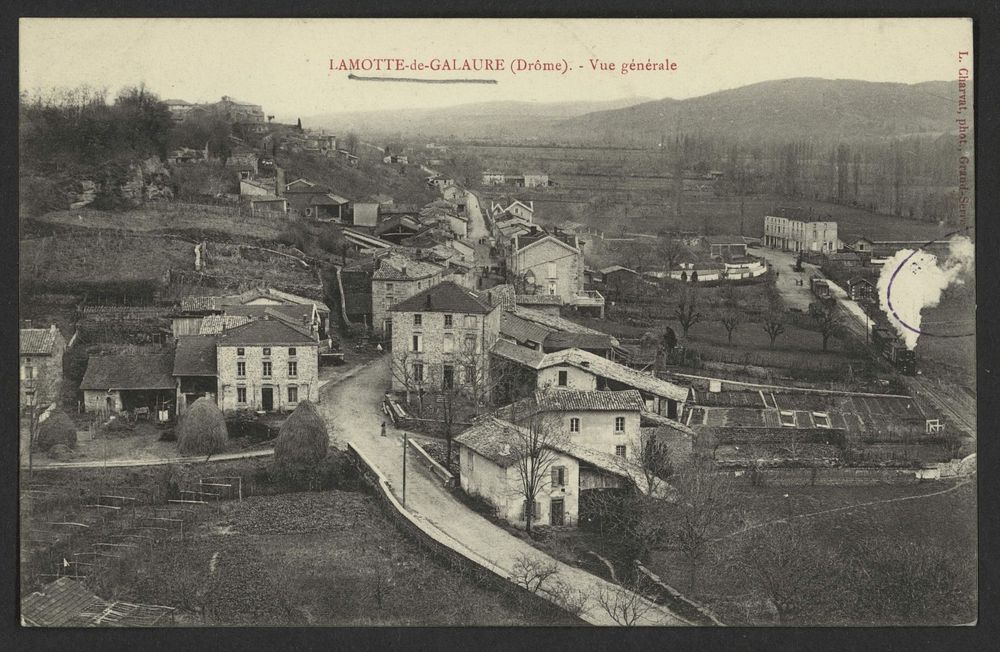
(397, 277)
(441, 338)
(41, 361)
(268, 365)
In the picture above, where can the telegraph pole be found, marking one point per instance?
(405, 444)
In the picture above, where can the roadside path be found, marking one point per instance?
(353, 411)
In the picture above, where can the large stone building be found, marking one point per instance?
(41, 361)
(395, 278)
(441, 338)
(793, 230)
(546, 264)
(267, 365)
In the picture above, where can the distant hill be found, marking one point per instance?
(517, 119)
(788, 109)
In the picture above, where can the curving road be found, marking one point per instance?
(353, 412)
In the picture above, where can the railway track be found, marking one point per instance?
(956, 405)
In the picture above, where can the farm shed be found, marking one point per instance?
(125, 382)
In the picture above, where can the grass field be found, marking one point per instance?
(945, 522)
(323, 558)
(102, 257)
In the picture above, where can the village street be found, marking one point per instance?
(783, 263)
(353, 412)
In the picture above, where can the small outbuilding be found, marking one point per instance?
(122, 382)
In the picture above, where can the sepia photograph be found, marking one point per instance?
(366, 322)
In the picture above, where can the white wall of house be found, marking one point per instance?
(97, 401)
(597, 430)
(386, 294)
(576, 378)
(554, 269)
(504, 489)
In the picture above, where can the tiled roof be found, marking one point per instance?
(215, 324)
(523, 330)
(500, 442)
(264, 331)
(220, 303)
(37, 341)
(563, 340)
(605, 368)
(329, 199)
(628, 400)
(59, 604)
(129, 371)
(195, 356)
(616, 268)
(552, 322)
(298, 313)
(444, 297)
(391, 268)
(517, 353)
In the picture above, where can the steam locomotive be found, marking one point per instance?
(892, 348)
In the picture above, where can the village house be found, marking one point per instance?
(395, 227)
(516, 208)
(178, 109)
(604, 421)
(440, 335)
(316, 201)
(793, 230)
(140, 383)
(267, 365)
(491, 454)
(365, 213)
(396, 277)
(195, 371)
(862, 290)
(188, 318)
(41, 361)
(549, 265)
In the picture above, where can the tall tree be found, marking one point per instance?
(686, 310)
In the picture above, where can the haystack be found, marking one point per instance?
(57, 429)
(302, 441)
(202, 429)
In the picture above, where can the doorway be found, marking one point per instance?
(267, 398)
(449, 377)
(557, 512)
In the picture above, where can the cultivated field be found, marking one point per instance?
(102, 257)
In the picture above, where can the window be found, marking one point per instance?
(291, 352)
(240, 351)
(447, 321)
(241, 394)
(241, 369)
(29, 373)
(418, 319)
(574, 424)
(418, 343)
(620, 451)
(469, 344)
(558, 476)
(619, 424)
(563, 378)
(470, 374)
(267, 350)
(293, 368)
(293, 394)
(448, 377)
(449, 342)
(266, 369)
(418, 372)
(388, 288)
(552, 288)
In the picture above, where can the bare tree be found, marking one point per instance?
(625, 602)
(701, 505)
(730, 318)
(829, 320)
(402, 370)
(351, 143)
(649, 466)
(532, 573)
(686, 311)
(774, 323)
(533, 447)
(481, 375)
(669, 250)
(784, 566)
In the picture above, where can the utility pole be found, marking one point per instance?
(406, 442)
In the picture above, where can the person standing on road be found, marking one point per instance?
(383, 428)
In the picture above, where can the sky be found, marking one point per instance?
(284, 64)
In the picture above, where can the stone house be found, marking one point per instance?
(549, 265)
(441, 338)
(490, 454)
(268, 364)
(129, 381)
(41, 365)
(395, 278)
(605, 421)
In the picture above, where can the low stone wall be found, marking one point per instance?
(482, 569)
(842, 477)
